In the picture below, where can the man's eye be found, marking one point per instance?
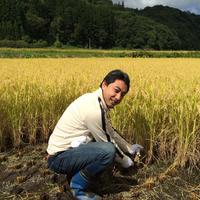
(123, 94)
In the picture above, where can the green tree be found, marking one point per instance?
(57, 28)
(69, 25)
(36, 26)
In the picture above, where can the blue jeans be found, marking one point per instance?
(94, 157)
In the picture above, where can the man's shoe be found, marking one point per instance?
(79, 186)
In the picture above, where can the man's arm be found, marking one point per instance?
(122, 143)
(97, 124)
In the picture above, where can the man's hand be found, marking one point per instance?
(127, 163)
(135, 149)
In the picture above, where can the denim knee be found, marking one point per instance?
(105, 156)
(110, 149)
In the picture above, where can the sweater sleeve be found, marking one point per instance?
(97, 124)
(122, 143)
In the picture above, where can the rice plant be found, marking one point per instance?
(161, 110)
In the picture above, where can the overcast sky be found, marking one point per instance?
(192, 5)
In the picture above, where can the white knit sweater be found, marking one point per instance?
(86, 116)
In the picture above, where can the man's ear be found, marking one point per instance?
(104, 84)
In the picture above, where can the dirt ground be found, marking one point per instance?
(24, 174)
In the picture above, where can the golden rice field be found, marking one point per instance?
(161, 110)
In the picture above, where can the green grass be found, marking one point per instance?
(69, 52)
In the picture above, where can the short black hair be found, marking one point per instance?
(112, 76)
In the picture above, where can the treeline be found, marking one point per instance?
(96, 24)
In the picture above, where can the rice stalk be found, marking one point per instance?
(160, 112)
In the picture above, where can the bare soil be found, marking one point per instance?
(24, 174)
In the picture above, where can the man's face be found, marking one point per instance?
(114, 92)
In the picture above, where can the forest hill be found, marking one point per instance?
(96, 24)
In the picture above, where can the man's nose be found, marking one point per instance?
(118, 96)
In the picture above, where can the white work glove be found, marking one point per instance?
(135, 148)
(79, 141)
(127, 163)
